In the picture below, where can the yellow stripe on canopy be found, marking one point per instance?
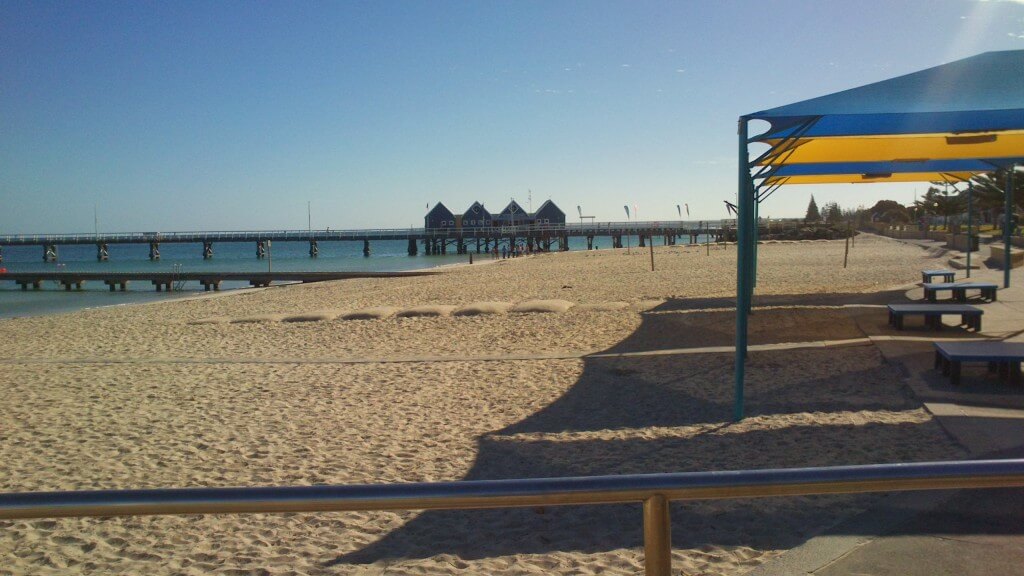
(896, 148)
(872, 178)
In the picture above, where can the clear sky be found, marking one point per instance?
(233, 115)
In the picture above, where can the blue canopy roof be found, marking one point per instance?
(976, 94)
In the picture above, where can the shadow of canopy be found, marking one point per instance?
(670, 413)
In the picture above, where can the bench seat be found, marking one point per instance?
(1002, 356)
(988, 290)
(933, 313)
(946, 275)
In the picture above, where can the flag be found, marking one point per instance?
(680, 210)
(687, 210)
(627, 210)
(580, 210)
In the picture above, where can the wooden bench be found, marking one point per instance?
(1002, 356)
(988, 290)
(928, 275)
(933, 313)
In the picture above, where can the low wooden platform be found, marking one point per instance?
(209, 280)
(933, 313)
(987, 289)
(1002, 356)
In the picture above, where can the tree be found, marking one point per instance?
(939, 202)
(989, 193)
(833, 214)
(889, 211)
(812, 211)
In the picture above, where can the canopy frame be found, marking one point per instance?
(946, 113)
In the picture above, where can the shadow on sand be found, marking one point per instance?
(672, 413)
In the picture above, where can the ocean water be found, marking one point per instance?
(386, 256)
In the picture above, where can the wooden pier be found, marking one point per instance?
(433, 240)
(170, 280)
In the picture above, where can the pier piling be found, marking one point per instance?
(413, 247)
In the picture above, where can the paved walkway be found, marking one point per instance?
(947, 532)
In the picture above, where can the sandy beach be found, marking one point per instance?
(278, 387)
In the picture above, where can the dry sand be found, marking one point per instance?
(145, 396)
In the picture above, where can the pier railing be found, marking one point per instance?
(656, 227)
(654, 491)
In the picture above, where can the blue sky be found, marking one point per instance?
(234, 115)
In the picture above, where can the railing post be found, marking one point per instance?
(657, 537)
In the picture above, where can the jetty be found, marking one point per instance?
(175, 280)
(460, 240)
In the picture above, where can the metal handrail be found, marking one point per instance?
(653, 490)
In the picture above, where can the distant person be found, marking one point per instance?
(504, 253)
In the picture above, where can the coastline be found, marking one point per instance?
(582, 391)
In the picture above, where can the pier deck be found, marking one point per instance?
(677, 228)
(544, 237)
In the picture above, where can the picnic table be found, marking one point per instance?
(933, 313)
(1002, 356)
(988, 290)
(928, 275)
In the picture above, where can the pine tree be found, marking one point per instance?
(812, 211)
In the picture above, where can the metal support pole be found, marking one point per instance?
(756, 233)
(657, 537)
(1007, 227)
(970, 223)
(745, 208)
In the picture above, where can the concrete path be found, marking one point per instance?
(937, 533)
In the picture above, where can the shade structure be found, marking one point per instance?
(952, 171)
(945, 124)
